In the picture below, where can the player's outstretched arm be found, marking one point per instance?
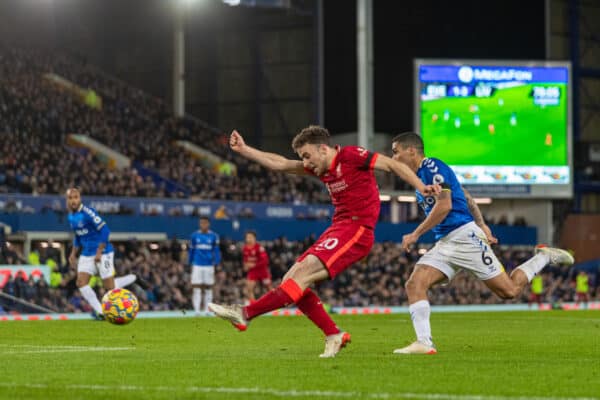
(268, 160)
(385, 163)
(478, 217)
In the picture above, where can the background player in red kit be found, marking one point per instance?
(348, 174)
(256, 264)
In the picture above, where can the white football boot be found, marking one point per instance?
(417, 348)
(233, 314)
(556, 256)
(334, 343)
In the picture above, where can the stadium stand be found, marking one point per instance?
(37, 115)
(378, 281)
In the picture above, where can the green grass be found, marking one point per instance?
(523, 144)
(531, 354)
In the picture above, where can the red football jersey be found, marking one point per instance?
(352, 186)
(256, 255)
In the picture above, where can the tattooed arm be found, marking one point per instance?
(476, 213)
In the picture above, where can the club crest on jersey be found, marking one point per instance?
(362, 151)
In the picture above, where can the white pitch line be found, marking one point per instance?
(290, 393)
(29, 349)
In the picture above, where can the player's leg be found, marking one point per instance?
(543, 256)
(109, 283)
(207, 286)
(422, 278)
(207, 297)
(125, 280)
(249, 288)
(106, 270)
(196, 298)
(86, 267)
(302, 274)
(336, 249)
(267, 284)
(196, 280)
(83, 280)
(335, 338)
(510, 287)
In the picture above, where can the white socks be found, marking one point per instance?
(125, 280)
(534, 265)
(196, 297)
(419, 313)
(90, 296)
(208, 297)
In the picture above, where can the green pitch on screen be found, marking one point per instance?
(504, 129)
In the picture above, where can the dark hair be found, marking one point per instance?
(410, 139)
(312, 134)
(204, 217)
(251, 232)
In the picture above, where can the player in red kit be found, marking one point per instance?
(347, 172)
(256, 264)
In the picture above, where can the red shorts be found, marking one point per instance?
(340, 246)
(580, 296)
(259, 274)
(535, 298)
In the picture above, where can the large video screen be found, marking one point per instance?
(504, 127)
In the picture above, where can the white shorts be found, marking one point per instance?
(105, 268)
(464, 248)
(203, 275)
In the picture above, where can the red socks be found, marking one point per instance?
(311, 306)
(287, 293)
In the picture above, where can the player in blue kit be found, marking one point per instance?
(203, 256)
(463, 242)
(97, 255)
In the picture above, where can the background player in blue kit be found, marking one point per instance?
(203, 256)
(463, 242)
(97, 255)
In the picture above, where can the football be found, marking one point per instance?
(120, 306)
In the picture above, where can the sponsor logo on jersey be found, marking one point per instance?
(338, 186)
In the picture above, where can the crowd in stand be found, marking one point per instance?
(378, 280)
(36, 115)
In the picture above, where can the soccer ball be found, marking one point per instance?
(120, 306)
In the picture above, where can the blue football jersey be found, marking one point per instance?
(88, 227)
(434, 171)
(204, 249)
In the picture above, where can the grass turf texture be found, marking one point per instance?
(523, 144)
(544, 355)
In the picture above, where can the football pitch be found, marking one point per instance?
(504, 129)
(482, 356)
